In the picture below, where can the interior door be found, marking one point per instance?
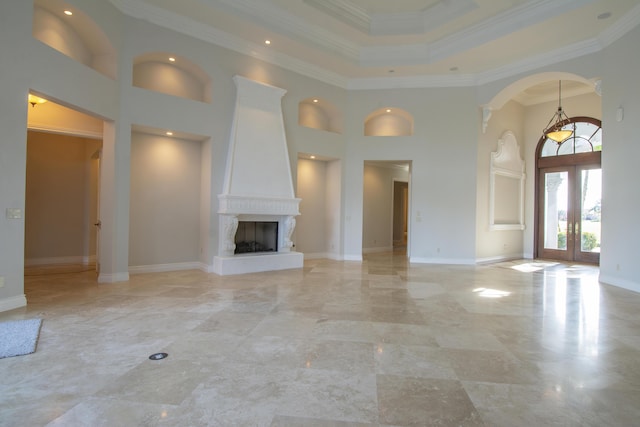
(570, 213)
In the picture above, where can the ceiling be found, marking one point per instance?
(362, 43)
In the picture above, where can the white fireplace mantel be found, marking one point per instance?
(257, 184)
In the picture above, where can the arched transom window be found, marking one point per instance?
(586, 138)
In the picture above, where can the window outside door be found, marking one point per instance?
(569, 193)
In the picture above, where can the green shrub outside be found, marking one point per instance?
(589, 241)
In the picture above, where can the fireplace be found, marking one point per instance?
(256, 236)
(257, 187)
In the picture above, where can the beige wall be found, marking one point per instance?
(165, 200)
(61, 199)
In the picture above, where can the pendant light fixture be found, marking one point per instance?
(35, 100)
(554, 130)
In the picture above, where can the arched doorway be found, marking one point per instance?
(568, 193)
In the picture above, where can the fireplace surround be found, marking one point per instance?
(258, 185)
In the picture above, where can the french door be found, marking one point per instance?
(569, 212)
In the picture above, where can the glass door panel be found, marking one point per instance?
(589, 194)
(570, 213)
(555, 187)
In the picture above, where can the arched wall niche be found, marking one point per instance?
(389, 122)
(317, 113)
(77, 37)
(181, 77)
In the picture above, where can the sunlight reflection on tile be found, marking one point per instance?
(336, 344)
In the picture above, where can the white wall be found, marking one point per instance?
(310, 231)
(377, 220)
(165, 201)
(620, 154)
(168, 79)
(444, 158)
(318, 231)
(492, 245)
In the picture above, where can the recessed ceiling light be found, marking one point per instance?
(312, 157)
(453, 69)
(68, 12)
(172, 59)
(169, 133)
(267, 42)
(392, 71)
(315, 100)
(604, 15)
(388, 110)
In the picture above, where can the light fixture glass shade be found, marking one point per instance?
(33, 100)
(559, 135)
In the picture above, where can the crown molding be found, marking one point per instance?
(622, 26)
(534, 62)
(411, 82)
(347, 12)
(428, 19)
(473, 36)
(212, 35)
(281, 21)
(161, 17)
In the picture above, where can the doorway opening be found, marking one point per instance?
(62, 190)
(569, 194)
(386, 206)
(400, 214)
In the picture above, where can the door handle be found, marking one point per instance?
(98, 224)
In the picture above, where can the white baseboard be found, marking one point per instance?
(75, 259)
(162, 268)
(10, 303)
(621, 283)
(377, 249)
(112, 278)
(451, 261)
(352, 258)
(499, 258)
(316, 255)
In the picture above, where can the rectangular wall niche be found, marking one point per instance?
(256, 236)
(506, 185)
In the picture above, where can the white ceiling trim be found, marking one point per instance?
(500, 25)
(347, 12)
(212, 35)
(418, 23)
(206, 33)
(623, 25)
(424, 81)
(281, 21)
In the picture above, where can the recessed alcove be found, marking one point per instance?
(167, 183)
(77, 37)
(389, 121)
(172, 75)
(317, 113)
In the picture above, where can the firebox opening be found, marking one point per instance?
(256, 236)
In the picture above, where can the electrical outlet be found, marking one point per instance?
(1, 281)
(14, 213)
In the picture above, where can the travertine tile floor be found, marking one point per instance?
(382, 342)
